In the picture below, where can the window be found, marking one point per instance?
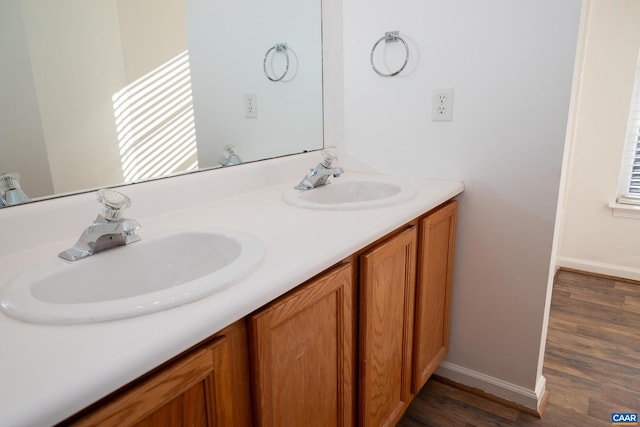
(629, 188)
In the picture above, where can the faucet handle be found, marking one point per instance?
(328, 158)
(112, 203)
(9, 181)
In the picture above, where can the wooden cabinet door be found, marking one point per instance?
(387, 286)
(302, 352)
(433, 292)
(207, 387)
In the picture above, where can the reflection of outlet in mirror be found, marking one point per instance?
(250, 106)
(442, 107)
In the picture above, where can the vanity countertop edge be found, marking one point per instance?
(50, 372)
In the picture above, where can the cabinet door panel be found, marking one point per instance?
(187, 409)
(433, 292)
(387, 284)
(207, 387)
(228, 391)
(303, 350)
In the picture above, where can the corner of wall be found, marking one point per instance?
(565, 173)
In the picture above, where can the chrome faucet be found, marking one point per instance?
(320, 174)
(10, 191)
(108, 229)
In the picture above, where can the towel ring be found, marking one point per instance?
(390, 37)
(278, 47)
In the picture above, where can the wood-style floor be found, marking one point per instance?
(592, 364)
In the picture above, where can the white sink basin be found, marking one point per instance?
(354, 194)
(131, 280)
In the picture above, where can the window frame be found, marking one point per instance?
(629, 180)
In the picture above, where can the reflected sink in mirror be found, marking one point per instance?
(132, 280)
(353, 194)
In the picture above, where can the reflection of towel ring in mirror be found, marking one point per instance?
(278, 47)
(390, 37)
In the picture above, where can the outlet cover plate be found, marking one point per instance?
(442, 105)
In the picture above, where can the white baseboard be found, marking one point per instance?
(522, 396)
(599, 268)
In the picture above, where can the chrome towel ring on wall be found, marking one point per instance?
(277, 48)
(390, 37)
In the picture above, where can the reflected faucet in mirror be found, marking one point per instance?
(319, 175)
(108, 230)
(229, 156)
(10, 191)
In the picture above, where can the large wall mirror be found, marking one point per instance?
(96, 93)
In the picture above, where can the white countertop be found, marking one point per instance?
(48, 373)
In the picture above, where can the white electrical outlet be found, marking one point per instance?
(250, 105)
(442, 106)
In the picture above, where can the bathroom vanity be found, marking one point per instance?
(342, 322)
(376, 322)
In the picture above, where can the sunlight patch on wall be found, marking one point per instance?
(155, 123)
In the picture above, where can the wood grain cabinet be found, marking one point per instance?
(302, 353)
(387, 286)
(208, 386)
(405, 304)
(437, 234)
